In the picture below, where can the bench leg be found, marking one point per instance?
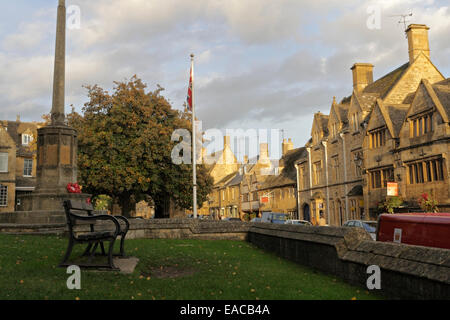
(122, 245)
(102, 246)
(110, 254)
(68, 253)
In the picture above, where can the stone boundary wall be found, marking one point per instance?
(407, 272)
(181, 229)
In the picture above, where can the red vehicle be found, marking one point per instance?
(420, 229)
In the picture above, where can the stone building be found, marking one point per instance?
(222, 167)
(394, 129)
(17, 161)
(278, 192)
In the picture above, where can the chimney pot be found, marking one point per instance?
(417, 41)
(287, 146)
(226, 141)
(362, 76)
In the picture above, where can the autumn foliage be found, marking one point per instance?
(124, 148)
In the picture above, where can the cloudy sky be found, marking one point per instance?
(259, 63)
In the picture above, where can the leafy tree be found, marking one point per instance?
(124, 148)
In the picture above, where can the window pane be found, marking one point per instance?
(435, 174)
(440, 169)
(3, 196)
(3, 162)
(27, 167)
(420, 170)
(428, 164)
(411, 175)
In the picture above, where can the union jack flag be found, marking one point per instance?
(189, 96)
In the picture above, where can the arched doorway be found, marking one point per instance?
(306, 212)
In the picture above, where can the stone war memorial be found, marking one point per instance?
(272, 232)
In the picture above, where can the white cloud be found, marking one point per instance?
(264, 60)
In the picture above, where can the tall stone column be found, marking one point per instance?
(56, 143)
(59, 75)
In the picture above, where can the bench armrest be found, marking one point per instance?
(127, 223)
(98, 217)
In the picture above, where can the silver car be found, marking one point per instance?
(369, 226)
(301, 222)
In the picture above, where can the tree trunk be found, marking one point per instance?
(126, 205)
(162, 207)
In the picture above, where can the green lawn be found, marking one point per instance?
(168, 269)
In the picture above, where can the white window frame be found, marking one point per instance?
(26, 139)
(5, 169)
(24, 167)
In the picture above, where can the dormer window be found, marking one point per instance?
(26, 139)
(421, 125)
(377, 138)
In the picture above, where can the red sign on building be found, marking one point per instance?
(392, 189)
(264, 199)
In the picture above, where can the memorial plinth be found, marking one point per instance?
(56, 167)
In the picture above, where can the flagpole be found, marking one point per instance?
(194, 144)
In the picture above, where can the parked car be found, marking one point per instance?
(256, 220)
(420, 229)
(232, 219)
(301, 222)
(369, 226)
(274, 217)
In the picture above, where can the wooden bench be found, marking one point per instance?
(82, 211)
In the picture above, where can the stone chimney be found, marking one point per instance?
(417, 41)
(362, 75)
(18, 118)
(226, 142)
(287, 146)
(264, 153)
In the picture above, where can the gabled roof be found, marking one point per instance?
(340, 111)
(442, 91)
(321, 121)
(237, 179)
(439, 97)
(397, 114)
(382, 86)
(226, 179)
(289, 174)
(393, 115)
(364, 100)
